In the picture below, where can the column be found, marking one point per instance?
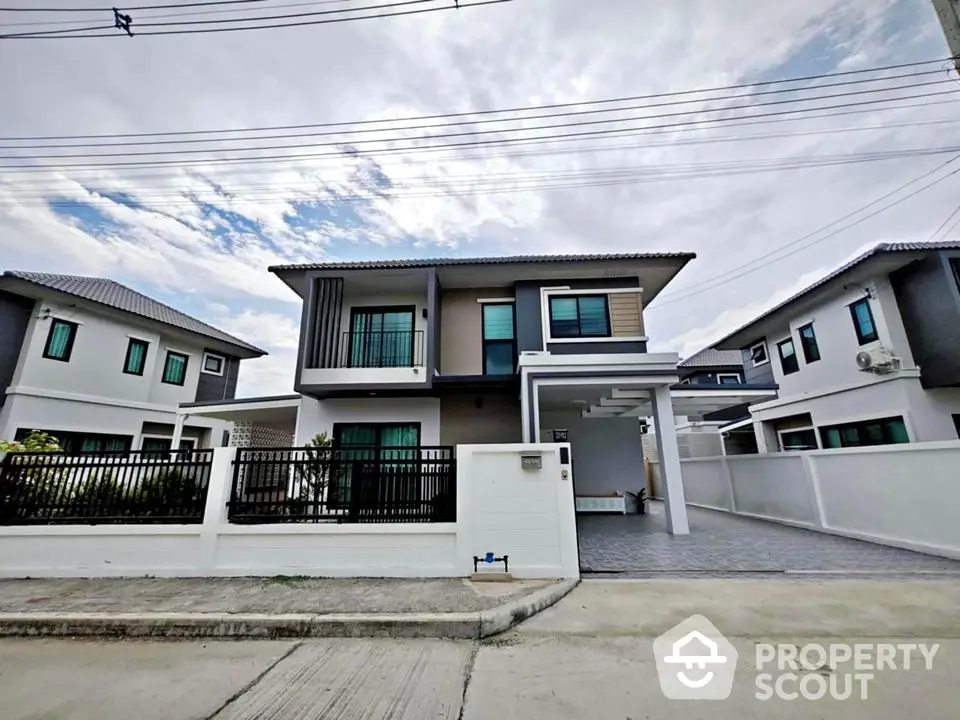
(178, 431)
(671, 481)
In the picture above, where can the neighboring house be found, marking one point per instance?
(868, 355)
(102, 367)
(491, 350)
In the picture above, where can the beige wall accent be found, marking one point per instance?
(626, 314)
(461, 329)
(497, 420)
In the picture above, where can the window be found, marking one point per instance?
(804, 439)
(159, 447)
(374, 443)
(808, 341)
(381, 337)
(728, 378)
(79, 442)
(136, 358)
(499, 343)
(213, 364)
(175, 368)
(60, 340)
(863, 321)
(758, 353)
(579, 316)
(884, 431)
(788, 357)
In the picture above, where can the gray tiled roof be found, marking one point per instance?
(710, 357)
(441, 262)
(120, 297)
(878, 249)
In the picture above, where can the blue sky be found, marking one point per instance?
(199, 235)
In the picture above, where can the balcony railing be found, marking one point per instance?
(386, 349)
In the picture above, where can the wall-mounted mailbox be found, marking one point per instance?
(531, 462)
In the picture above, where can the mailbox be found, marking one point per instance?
(531, 462)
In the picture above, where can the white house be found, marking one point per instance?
(102, 367)
(868, 355)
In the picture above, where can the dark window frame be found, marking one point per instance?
(500, 341)
(796, 359)
(186, 364)
(378, 426)
(71, 441)
(69, 349)
(382, 309)
(143, 362)
(861, 338)
(860, 428)
(809, 345)
(579, 336)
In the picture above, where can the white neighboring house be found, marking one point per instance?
(868, 355)
(103, 367)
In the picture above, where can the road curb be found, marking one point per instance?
(461, 626)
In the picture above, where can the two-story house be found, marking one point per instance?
(102, 367)
(868, 355)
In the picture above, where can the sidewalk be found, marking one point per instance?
(277, 607)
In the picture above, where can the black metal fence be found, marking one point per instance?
(104, 487)
(381, 349)
(344, 485)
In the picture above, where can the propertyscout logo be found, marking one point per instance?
(696, 662)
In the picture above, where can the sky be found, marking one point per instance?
(199, 233)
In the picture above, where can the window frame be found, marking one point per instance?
(796, 358)
(70, 340)
(126, 358)
(810, 428)
(766, 353)
(579, 337)
(734, 375)
(805, 347)
(499, 341)
(186, 365)
(218, 356)
(859, 426)
(365, 350)
(861, 338)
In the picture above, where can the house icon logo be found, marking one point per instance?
(694, 661)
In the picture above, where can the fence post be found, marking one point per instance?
(215, 511)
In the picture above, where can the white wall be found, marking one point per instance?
(607, 452)
(317, 416)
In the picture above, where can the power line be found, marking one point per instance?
(474, 143)
(194, 140)
(949, 217)
(739, 272)
(553, 106)
(460, 6)
(128, 9)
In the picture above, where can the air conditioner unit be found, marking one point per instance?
(879, 361)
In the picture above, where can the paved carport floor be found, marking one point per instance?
(723, 543)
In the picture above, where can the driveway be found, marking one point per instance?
(723, 543)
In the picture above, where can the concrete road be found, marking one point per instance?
(590, 656)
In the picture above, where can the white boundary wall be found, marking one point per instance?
(527, 514)
(901, 495)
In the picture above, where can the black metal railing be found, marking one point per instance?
(375, 349)
(104, 487)
(344, 485)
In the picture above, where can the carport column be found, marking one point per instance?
(671, 482)
(178, 431)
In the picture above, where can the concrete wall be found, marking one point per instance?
(461, 327)
(607, 452)
(900, 495)
(476, 419)
(319, 415)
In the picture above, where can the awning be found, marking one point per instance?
(273, 410)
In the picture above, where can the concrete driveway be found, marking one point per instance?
(723, 543)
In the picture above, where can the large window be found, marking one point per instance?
(381, 337)
(884, 431)
(159, 447)
(803, 439)
(788, 357)
(863, 321)
(60, 339)
(808, 341)
(579, 316)
(175, 368)
(79, 442)
(136, 357)
(363, 449)
(499, 340)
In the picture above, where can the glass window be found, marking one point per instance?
(808, 341)
(758, 353)
(805, 439)
(883, 431)
(381, 337)
(788, 357)
(361, 446)
(213, 364)
(136, 357)
(579, 316)
(499, 344)
(728, 378)
(863, 321)
(60, 340)
(74, 442)
(175, 368)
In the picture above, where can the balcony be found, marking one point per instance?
(381, 349)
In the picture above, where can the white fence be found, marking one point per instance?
(502, 508)
(901, 495)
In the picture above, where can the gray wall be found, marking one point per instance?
(709, 377)
(219, 387)
(14, 318)
(474, 419)
(761, 374)
(929, 302)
